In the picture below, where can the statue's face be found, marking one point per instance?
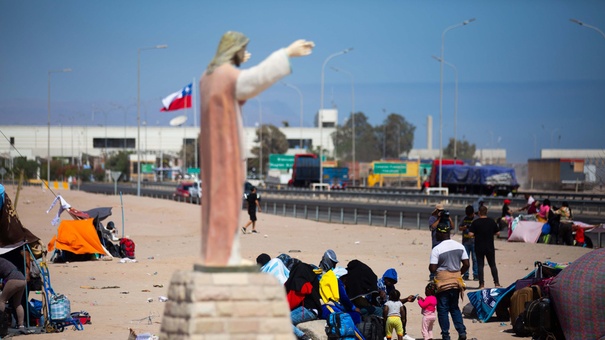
(238, 58)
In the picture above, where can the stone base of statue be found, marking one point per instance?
(226, 303)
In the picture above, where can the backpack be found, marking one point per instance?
(469, 311)
(127, 248)
(371, 327)
(340, 326)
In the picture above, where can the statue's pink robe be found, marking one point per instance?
(222, 153)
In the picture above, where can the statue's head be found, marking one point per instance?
(231, 48)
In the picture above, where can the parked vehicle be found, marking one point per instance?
(337, 178)
(182, 190)
(305, 170)
(475, 179)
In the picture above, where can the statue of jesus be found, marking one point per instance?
(223, 90)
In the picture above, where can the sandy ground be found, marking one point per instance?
(167, 237)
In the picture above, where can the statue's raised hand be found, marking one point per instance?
(300, 48)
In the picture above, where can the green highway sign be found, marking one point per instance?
(147, 168)
(281, 162)
(193, 171)
(389, 168)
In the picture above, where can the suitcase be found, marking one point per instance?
(538, 316)
(519, 299)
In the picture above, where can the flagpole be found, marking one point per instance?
(193, 103)
(185, 142)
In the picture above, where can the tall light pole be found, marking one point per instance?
(48, 105)
(321, 102)
(551, 133)
(260, 141)
(139, 112)
(464, 23)
(384, 136)
(576, 21)
(455, 104)
(301, 111)
(352, 116)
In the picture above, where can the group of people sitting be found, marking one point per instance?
(558, 224)
(315, 291)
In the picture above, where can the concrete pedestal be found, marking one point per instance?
(226, 303)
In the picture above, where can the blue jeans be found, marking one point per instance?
(447, 302)
(298, 315)
(472, 255)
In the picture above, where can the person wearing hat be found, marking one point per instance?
(438, 215)
(449, 261)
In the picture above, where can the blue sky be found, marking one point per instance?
(528, 77)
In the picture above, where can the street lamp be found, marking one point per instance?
(551, 133)
(455, 103)
(352, 116)
(384, 135)
(321, 102)
(260, 118)
(48, 150)
(301, 111)
(464, 23)
(576, 21)
(139, 112)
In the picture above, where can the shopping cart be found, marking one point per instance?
(62, 314)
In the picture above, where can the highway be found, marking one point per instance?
(390, 208)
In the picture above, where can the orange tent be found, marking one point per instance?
(78, 237)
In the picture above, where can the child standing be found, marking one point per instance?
(428, 306)
(391, 312)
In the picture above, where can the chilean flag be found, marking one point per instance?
(178, 100)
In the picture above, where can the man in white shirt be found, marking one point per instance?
(449, 261)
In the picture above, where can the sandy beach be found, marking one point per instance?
(167, 237)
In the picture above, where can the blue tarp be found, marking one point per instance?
(479, 175)
(485, 301)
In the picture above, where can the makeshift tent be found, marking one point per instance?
(492, 300)
(530, 231)
(78, 237)
(526, 231)
(596, 236)
(12, 232)
(578, 299)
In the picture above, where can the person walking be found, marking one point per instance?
(448, 261)
(484, 229)
(468, 241)
(253, 205)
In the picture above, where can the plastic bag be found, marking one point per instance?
(60, 307)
